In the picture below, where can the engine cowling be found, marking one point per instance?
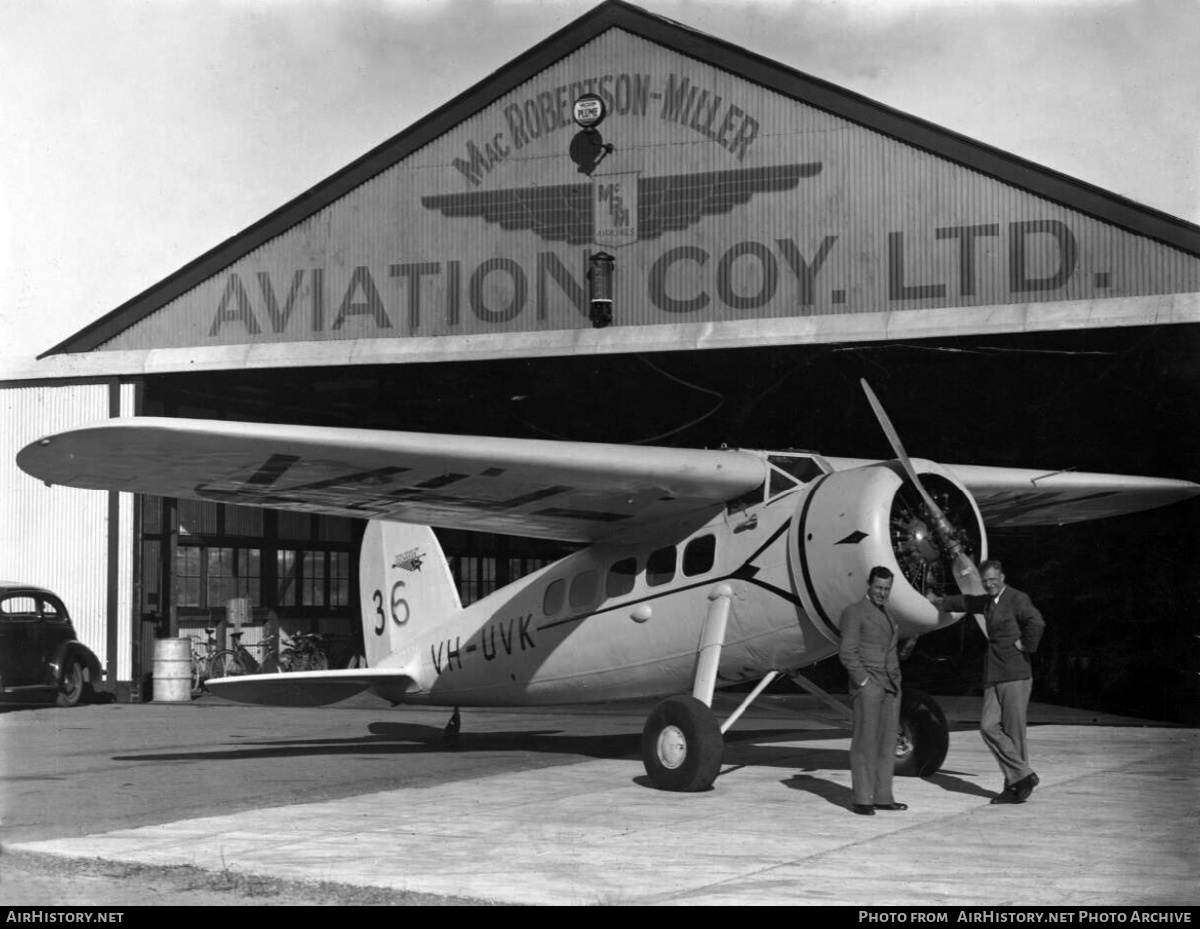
(851, 520)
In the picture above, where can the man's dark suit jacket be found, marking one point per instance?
(1013, 616)
(869, 646)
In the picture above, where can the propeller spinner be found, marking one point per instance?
(966, 573)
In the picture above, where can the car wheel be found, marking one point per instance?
(71, 686)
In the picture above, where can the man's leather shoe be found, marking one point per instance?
(1007, 795)
(1024, 787)
(891, 806)
(864, 809)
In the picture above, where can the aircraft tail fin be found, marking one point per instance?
(404, 584)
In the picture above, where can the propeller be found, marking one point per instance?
(966, 574)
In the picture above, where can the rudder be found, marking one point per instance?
(404, 584)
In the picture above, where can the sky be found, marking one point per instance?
(138, 134)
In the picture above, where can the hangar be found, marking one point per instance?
(641, 234)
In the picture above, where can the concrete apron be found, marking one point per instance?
(1115, 822)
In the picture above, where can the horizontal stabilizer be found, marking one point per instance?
(306, 688)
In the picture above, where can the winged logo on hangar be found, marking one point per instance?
(618, 209)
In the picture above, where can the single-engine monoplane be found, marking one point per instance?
(699, 568)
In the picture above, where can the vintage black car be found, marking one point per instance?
(40, 657)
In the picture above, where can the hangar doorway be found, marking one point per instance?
(1024, 401)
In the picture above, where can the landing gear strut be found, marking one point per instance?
(682, 744)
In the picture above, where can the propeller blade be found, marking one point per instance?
(966, 574)
(893, 438)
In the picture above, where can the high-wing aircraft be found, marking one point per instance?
(700, 568)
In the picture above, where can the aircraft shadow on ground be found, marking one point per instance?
(743, 747)
(415, 739)
(753, 748)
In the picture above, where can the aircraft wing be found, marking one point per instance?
(573, 491)
(1011, 497)
(305, 688)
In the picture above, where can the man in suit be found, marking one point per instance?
(868, 652)
(1014, 631)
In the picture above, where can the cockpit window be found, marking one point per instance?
(803, 468)
(790, 471)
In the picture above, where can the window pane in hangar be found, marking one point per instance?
(287, 568)
(339, 578)
(222, 585)
(250, 574)
(188, 576)
(197, 518)
(243, 520)
(313, 586)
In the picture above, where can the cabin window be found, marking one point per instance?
(552, 602)
(660, 566)
(699, 555)
(621, 577)
(583, 589)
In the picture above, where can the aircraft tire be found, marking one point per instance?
(682, 745)
(924, 737)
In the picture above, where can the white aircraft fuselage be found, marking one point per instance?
(624, 620)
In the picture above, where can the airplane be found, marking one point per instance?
(699, 567)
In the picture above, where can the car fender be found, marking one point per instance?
(74, 649)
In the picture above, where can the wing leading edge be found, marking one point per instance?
(1012, 497)
(572, 491)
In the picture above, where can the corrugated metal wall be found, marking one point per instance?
(58, 537)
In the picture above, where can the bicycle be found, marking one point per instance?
(306, 652)
(235, 661)
(202, 655)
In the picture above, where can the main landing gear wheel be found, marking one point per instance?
(924, 736)
(682, 745)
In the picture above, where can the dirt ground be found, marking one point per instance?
(47, 880)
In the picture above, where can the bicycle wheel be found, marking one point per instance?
(198, 676)
(226, 663)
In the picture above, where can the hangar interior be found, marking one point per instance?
(1121, 594)
(1064, 335)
